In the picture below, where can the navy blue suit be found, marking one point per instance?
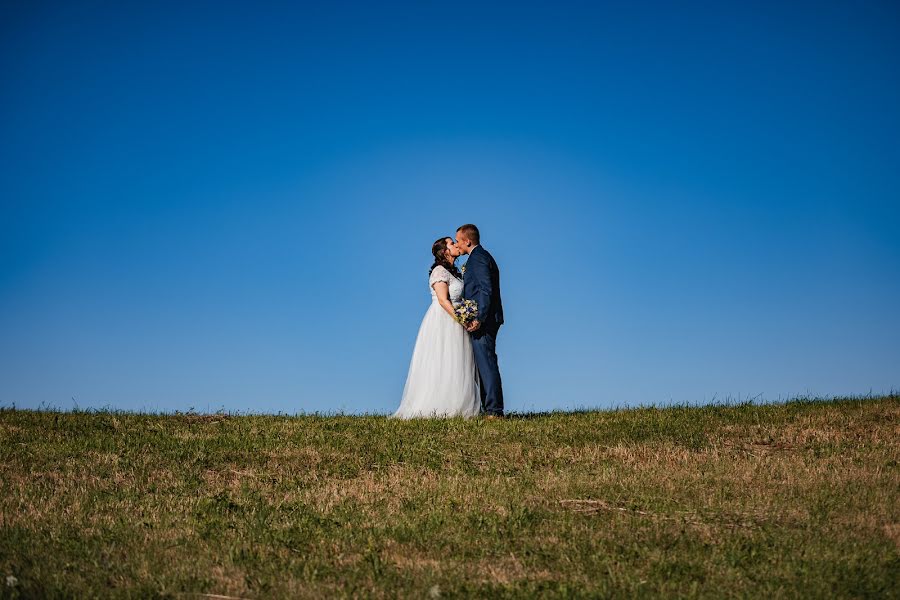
(482, 284)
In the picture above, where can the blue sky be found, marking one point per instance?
(231, 206)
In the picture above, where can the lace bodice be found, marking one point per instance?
(456, 285)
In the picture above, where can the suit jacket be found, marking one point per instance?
(481, 283)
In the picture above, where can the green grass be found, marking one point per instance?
(791, 500)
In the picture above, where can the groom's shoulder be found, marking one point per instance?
(487, 255)
(480, 254)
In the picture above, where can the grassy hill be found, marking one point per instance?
(799, 499)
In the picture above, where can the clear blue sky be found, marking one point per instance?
(231, 206)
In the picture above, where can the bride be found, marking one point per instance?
(442, 381)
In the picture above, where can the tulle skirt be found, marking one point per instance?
(442, 380)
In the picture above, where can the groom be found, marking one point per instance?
(482, 284)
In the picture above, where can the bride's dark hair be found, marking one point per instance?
(439, 250)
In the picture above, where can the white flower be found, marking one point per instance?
(11, 581)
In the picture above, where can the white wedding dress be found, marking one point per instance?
(442, 380)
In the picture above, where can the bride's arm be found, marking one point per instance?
(443, 295)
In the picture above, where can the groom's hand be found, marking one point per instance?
(473, 326)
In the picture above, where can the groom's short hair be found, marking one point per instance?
(471, 233)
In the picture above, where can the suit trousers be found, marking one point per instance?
(484, 345)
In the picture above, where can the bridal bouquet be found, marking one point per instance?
(466, 312)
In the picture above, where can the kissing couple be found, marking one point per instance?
(454, 370)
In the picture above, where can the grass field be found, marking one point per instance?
(790, 500)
